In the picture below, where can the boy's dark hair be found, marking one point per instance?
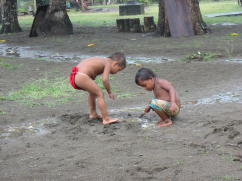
(144, 74)
(120, 57)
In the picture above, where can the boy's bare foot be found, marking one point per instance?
(110, 120)
(167, 122)
(95, 116)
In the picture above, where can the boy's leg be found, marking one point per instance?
(86, 83)
(165, 120)
(92, 106)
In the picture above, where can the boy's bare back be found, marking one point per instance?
(93, 66)
(161, 91)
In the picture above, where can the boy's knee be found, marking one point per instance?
(100, 94)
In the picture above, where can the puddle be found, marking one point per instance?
(28, 52)
(224, 24)
(144, 121)
(34, 128)
(227, 97)
(235, 60)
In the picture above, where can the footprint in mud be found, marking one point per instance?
(228, 130)
(147, 173)
(79, 124)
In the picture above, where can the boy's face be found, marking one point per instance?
(148, 84)
(115, 68)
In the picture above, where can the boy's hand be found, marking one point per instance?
(111, 95)
(147, 109)
(173, 107)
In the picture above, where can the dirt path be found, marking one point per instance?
(61, 143)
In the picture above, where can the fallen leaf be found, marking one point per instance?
(234, 34)
(138, 65)
(91, 44)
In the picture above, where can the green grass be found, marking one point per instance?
(2, 112)
(179, 162)
(201, 56)
(109, 18)
(120, 95)
(44, 92)
(100, 82)
(127, 95)
(51, 92)
(233, 178)
(9, 66)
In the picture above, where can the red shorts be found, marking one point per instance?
(72, 78)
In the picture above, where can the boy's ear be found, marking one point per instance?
(116, 63)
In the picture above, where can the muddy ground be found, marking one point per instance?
(39, 142)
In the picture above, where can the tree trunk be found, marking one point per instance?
(163, 26)
(199, 26)
(134, 25)
(9, 17)
(149, 24)
(0, 15)
(195, 21)
(51, 19)
(240, 2)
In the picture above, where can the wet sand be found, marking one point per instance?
(61, 143)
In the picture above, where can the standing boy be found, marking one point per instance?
(84, 74)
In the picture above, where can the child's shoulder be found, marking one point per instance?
(163, 82)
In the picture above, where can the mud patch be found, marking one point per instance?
(32, 128)
(228, 134)
(77, 125)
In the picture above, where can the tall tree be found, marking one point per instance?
(9, 16)
(51, 19)
(168, 21)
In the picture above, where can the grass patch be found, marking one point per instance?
(42, 59)
(179, 162)
(201, 56)
(3, 59)
(227, 177)
(99, 81)
(2, 112)
(48, 92)
(122, 95)
(126, 95)
(44, 92)
(9, 66)
(109, 18)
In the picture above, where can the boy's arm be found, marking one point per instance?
(105, 77)
(172, 92)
